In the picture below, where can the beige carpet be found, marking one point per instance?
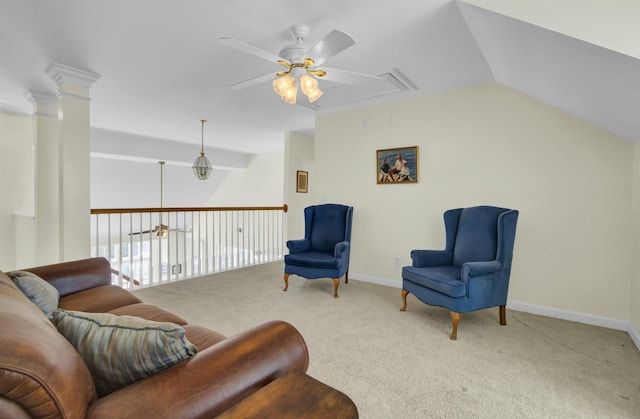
(403, 365)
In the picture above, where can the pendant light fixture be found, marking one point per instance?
(202, 167)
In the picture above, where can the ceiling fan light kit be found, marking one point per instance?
(202, 167)
(286, 87)
(299, 61)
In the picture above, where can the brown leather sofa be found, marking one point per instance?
(42, 375)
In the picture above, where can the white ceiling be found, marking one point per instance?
(162, 69)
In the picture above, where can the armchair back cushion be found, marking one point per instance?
(477, 235)
(321, 216)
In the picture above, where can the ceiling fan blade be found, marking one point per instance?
(249, 49)
(347, 77)
(141, 232)
(335, 42)
(253, 82)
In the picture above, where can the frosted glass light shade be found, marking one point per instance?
(282, 84)
(314, 95)
(287, 88)
(309, 87)
(290, 94)
(308, 84)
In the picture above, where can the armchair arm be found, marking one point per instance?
(214, 379)
(341, 248)
(297, 246)
(426, 258)
(471, 269)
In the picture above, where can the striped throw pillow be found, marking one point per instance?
(39, 291)
(120, 350)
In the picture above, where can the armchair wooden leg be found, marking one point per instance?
(346, 277)
(336, 282)
(404, 294)
(503, 316)
(455, 319)
(286, 282)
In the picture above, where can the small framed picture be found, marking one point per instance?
(397, 165)
(302, 181)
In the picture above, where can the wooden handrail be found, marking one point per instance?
(125, 277)
(283, 208)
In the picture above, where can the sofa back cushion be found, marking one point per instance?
(39, 370)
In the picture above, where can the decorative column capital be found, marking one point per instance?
(40, 98)
(44, 104)
(62, 73)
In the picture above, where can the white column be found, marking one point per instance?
(74, 159)
(47, 216)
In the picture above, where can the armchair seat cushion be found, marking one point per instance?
(444, 279)
(313, 259)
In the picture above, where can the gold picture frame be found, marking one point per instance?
(302, 181)
(397, 165)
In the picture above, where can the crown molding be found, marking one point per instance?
(41, 99)
(61, 73)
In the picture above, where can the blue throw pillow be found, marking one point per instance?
(39, 291)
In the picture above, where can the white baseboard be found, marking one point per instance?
(534, 309)
(376, 280)
(578, 317)
(573, 316)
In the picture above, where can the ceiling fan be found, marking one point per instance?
(160, 230)
(302, 62)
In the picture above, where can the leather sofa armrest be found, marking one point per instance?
(214, 379)
(77, 275)
(427, 258)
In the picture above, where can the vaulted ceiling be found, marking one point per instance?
(162, 68)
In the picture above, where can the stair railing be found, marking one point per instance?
(149, 246)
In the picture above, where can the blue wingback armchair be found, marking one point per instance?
(473, 270)
(324, 251)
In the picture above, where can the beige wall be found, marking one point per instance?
(16, 181)
(299, 155)
(490, 145)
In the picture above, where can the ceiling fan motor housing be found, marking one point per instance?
(294, 53)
